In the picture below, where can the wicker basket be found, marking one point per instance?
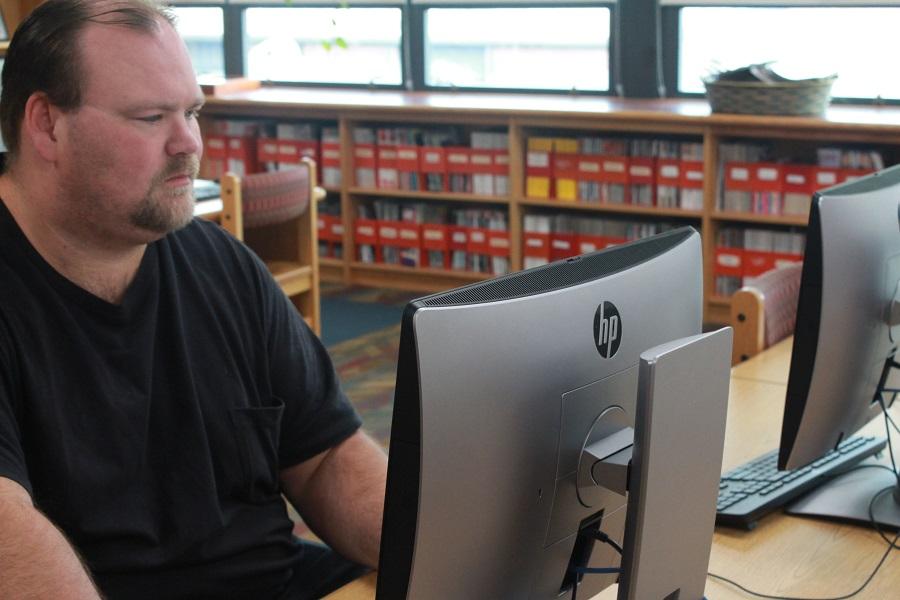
(807, 97)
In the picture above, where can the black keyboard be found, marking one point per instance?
(757, 487)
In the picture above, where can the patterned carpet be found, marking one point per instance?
(367, 362)
(367, 367)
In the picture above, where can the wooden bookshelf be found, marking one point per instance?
(524, 115)
(739, 217)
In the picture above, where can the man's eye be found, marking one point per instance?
(192, 113)
(150, 118)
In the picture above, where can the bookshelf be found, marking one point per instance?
(523, 117)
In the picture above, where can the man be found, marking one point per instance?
(158, 393)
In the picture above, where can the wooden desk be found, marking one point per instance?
(784, 555)
(772, 365)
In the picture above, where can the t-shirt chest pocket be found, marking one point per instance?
(256, 431)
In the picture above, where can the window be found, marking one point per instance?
(349, 45)
(561, 48)
(202, 29)
(859, 44)
(545, 45)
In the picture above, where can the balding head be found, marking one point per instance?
(43, 55)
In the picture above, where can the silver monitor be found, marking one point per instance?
(846, 336)
(501, 385)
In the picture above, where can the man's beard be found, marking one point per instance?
(160, 211)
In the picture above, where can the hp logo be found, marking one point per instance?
(607, 329)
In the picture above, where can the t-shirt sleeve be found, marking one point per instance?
(317, 414)
(12, 456)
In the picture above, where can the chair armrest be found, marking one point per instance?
(748, 321)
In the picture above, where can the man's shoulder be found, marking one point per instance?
(203, 241)
(205, 250)
(202, 233)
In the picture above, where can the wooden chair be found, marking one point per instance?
(275, 215)
(765, 312)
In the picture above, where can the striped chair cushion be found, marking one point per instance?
(270, 198)
(780, 289)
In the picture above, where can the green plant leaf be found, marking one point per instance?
(340, 42)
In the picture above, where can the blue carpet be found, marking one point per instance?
(344, 319)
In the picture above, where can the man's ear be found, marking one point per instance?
(39, 125)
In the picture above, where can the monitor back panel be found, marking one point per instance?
(499, 383)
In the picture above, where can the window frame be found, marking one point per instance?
(212, 4)
(651, 28)
(416, 44)
(236, 50)
(412, 59)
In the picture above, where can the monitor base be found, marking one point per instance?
(847, 498)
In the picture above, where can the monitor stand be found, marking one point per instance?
(847, 498)
(669, 464)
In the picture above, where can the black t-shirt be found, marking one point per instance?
(152, 432)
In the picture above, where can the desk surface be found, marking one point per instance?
(784, 555)
(208, 209)
(770, 366)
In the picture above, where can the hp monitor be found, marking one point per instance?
(846, 337)
(501, 385)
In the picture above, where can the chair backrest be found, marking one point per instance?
(765, 311)
(261, 199)
(275, 215)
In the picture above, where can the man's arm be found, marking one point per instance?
(340, 494)
(36, 561)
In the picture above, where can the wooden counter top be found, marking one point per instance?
(873, 120)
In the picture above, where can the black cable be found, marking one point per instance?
(844, 597)
(892, 544)
(603, 537)
(893, 424)
(887, 428)
(599, 535)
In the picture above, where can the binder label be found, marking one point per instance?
(728, 260)
(826, 177)
(767, 174)
(740, 174)
(538, 159)
(641, 171)
(668, 171)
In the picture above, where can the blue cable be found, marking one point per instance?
(596, 570)
(600, 571)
